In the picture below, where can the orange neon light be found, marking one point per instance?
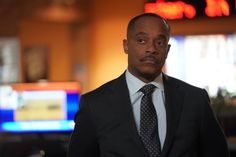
(171, 10)
(217, 8)
(74, 86)
(179, 9)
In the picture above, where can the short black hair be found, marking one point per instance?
(131, 23)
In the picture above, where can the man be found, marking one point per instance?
(120, 119)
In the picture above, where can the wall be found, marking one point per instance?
(108, 29)
(57, 39)
(101, 52)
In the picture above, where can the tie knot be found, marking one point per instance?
(148, 89)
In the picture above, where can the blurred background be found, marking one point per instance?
(52, 51)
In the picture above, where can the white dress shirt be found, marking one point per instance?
(134, 85)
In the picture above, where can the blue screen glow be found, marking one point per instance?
(38, 111)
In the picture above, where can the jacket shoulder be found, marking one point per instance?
(105, 89)
(180, 84)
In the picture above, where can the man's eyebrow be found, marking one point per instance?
(141, 33)
(158, 36)
(162, 36)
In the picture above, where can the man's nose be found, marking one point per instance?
(151, 47)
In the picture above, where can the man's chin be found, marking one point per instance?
(149, 75)
(150, 71)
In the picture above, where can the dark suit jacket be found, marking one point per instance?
(105, 125)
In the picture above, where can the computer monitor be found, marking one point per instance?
(38, 107)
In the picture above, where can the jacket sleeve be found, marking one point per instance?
(212, 138)
(83, 141)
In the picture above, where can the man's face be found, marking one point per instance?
(147, 48)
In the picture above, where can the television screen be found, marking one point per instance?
(38, 107)
(206, 61)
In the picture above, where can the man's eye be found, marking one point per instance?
(160, 43)
(142, 41)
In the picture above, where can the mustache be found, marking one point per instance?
(149, 57)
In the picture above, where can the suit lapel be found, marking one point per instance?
(122, 105)
(173, 104)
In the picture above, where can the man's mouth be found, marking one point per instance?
(149, 59)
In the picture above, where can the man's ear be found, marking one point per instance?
(125, 45)
(168, 49)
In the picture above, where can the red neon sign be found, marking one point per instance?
(180, 9)
(171, 10)
(217, 8)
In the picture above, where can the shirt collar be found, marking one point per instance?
(134, 84)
